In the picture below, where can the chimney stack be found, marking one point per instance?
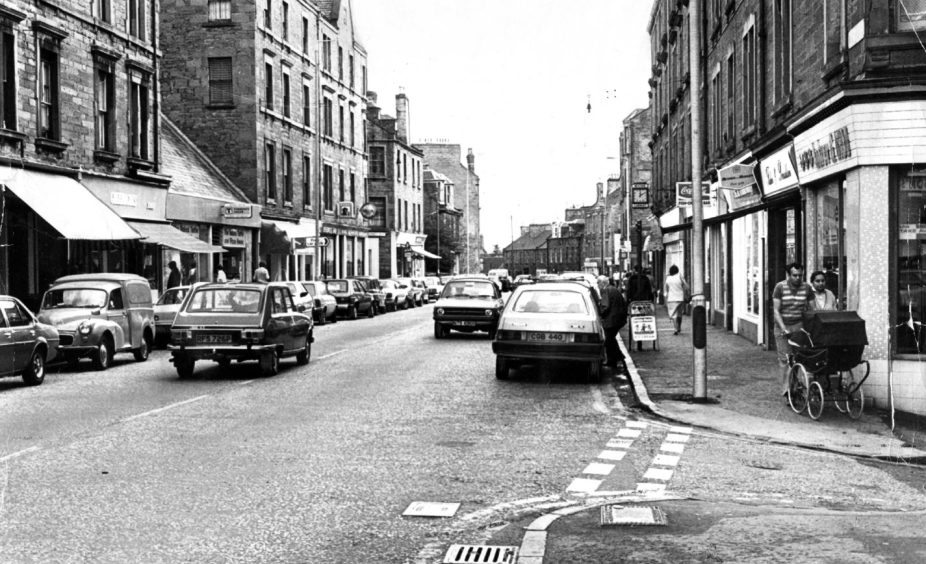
(402, 129)
(372, 108)
(471, 160)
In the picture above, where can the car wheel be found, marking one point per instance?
(270, 363)
(352, 313)
(322, 318)
(184, 366)
(594, 372)
(142, 352)
(334, 317)
(305, 354)
(405, 304)
(372, 311)
(502, 367)
(34, 374)
(492, 330)
(438, 331)
(103, 355)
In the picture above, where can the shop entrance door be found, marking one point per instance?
(785, 246)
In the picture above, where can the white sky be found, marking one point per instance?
(511, 80)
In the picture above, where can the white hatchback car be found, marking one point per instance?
(549, 321)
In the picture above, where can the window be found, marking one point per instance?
(353, 126)
(379, 218)
(398, 167)
(730, 110)
(398, 211)
(8, 80)
(286, 100)
(715, 113)
(306, 181)
(137, 19)
(353, 187)
(405, 215)
(405, 168)
(270, 173)
(833, 12)
(378, 161)
(340, 63)
(306, 106)
(350, 70)
(305, 36)
(287, 177)
(139, 114)
(341, 123)
(48, 95)
(342, 194)
(782, 50)
(285, 21)
(749, 77)
(220, 80)
(329, 111)
(327, 181)
(910, 15)
(910, 211)
(104, 11)
(105, 100)
(219, 10)
(363, 71)
(326, 53)
(267, 10)
(268, 86)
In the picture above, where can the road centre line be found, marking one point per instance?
(329, 355)
(165, 408)
(19, 453)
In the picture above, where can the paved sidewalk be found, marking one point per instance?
(743, 398)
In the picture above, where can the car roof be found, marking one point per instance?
(240, 285)
(102, 277)
(469, 279)
(557, 286)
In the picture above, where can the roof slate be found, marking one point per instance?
(193, 174)
(527, 242)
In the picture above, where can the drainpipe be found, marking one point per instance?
(763, 43)
(155, 46)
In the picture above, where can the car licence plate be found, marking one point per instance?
(550, 337)
(213, 339)
(465, 323)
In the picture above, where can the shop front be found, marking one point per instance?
(288, 248)
(350, 252)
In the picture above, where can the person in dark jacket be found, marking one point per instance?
(613, 312)
(639, 289)
(173, 279)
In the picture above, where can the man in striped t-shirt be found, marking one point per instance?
(789, 301)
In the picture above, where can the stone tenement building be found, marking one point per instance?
(274, 92)
(446, 159)
(636, 198)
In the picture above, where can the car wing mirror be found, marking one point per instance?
(300, 308)
(97, 311)
(303, 294)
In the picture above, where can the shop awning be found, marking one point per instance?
(165, 234)
(276, 237)
(69, 207)
(423, 253)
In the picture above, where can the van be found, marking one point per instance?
(501, 275)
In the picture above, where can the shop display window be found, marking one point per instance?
(831, 253)
(911, 265)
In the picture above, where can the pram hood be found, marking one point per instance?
(835, 329)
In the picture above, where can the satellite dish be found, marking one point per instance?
(368, 210)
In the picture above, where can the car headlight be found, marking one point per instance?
(84, 329)
(157, 317)
(489, 312)
(439, 311)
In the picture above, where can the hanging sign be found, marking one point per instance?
(683, 193)
(778, 171)
(736, 176)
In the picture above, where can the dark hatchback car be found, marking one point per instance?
(468, 305)
(353, 298)
(26, 344)
(225, 322)
(376, 289)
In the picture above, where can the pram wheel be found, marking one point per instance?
(855, 401)
(815, 400)
(797, 388)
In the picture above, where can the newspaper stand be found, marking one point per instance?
(643, 324)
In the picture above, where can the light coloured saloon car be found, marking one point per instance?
(467, 305)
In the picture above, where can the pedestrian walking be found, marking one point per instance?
(220, 276)
(613, 311)
(676, 292)
(190, 273)
(639, 289)
(789, 302)
(823, 299)
(174, 277)
(262, 275)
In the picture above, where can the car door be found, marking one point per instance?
(299, 324)
(116, 313)
(22, 333)
(7, 344)
(281, 317)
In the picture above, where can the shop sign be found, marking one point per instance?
(123, 199)
(834, 148)
(189, 229)
(778, 172)
(643, 327)
(308, 243)
(346, 232)
(233, 237)
(911, 231)
(743, 197)
(736, 176)
(234, 211)
(683, 193)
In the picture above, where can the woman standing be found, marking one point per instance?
(822, 299)
(676, 290)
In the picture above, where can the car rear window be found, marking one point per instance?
(225, 300)
(338, 285)
(469, 289)
(172, 296)
(550, 302)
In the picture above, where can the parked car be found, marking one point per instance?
(396, 294)
(521, 280)
(551, 321)
(417, 291)
(353, 299)
(300, 295)
(225, 322)
(467, 305)
(100, 315)
(434, 286)
(373, 286)
(26, 344)
(165, 309)
(324, 306)
(501, 274)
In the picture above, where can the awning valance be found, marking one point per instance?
(68, 206)
(165, 234)
(423, 253)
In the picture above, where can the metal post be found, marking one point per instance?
(639, 228)
(698, 316)
(318, 162)
(466, 220)
(604, 264)
(438, 241)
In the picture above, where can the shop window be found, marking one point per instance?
(831, 239)
(910, 15)
(911, 264)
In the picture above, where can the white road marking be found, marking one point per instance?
(647, 487)
(329, 355)
(165, 408)
(683, 430)
(612, 454)
(619, 443)
(636, 424)
(583, 485)
(677, 448)
(246, 382)
(658, 474)
(19, 453)
(598, 469)
(629, 433)
(677, 438)
(665, 460)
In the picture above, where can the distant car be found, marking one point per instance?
(226, 322)
(416, 291)
(467, 305)
(324, 305)
(300, 295)
(165, 309)
(373, 286)
(26, 344)
(434, 286)
(521, 280)
(99, 315)
(353, 299)
(551, 321)
(501, 274)
(396, 294)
